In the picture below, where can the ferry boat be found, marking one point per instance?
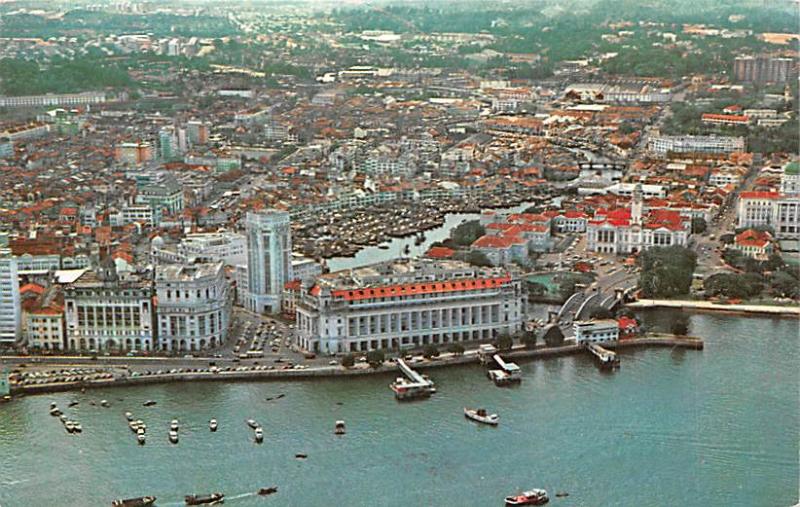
(252, 423)
(339, 428)
(268, 491)
(480, 415)
(212, 499)
(259, 434)
(142, 501)
(212, 425)
(532, 497)
(173, 436)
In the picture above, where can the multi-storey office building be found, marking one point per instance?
(269, 259)
(10, 309)
(194, 306)
(408, 303)
(104, 312)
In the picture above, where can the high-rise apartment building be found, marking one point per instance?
(10, 309)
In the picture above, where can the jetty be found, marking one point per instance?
(508, 373)
(415, 385)
(606, 359)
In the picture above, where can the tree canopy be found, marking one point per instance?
(666, 271)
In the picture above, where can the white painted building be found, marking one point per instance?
(661, 145)
(594, 331)
(228, 247)
(408, 303)
(10, 306)
(780, 212)
(194, 306)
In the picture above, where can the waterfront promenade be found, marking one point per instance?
(707, 306)
(254, 373)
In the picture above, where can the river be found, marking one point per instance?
(717, 427)
(373, 254)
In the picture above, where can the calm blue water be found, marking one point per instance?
(717, 427)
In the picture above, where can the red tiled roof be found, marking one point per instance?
(750, 237)
(32, 287)
(759, 195)
(440, 252)
(419, 288)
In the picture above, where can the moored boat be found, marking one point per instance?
(141, 438)
(76, 427)
(212, 499)
(531, 497)
(128, 416)
(174, 425)
(142, 501)
(268, 491)
(259, 434)
(339, 428)
(212, 425)
(252, 423)
(69, 426)
(480, 415)
(173, 436)
(148, 403)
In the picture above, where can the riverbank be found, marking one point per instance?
(707, 306)
(256, 373)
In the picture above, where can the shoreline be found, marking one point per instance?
(327, 372)
(707, 306)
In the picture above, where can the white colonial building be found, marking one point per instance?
(106, 312)
(593, 331)
(194, 306)
(408, 303)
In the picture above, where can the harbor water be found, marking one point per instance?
(717, 427)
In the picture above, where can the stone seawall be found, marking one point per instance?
(519, 352)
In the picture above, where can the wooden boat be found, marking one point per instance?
(142, 501)
(268, 491)
(480, 415)
(212, 499)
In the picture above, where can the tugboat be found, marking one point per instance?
(212, 499)
(532, 497)
(174, 425)
(252, 423)
(268, 491)
(339, 428)
(212, 425)
(480, 415)
(142, 501)
(259, 433)
(173, 436)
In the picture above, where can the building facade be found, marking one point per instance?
(194, 306)
(661, 145)
(106, 313)
(269, 259)
(593, 331)
(10, 304)
(780, 212)
(408, 303)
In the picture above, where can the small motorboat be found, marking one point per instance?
(69, 426)
(55, 412)
(383, 247)
(104, 403)
(73, 404)
(268, 491)
(301, 455)
(142, 501)
(252, 423)
(173, 425)
(173, 436)
(128, 416)
(259, 434)
(212, 499)
(148, 403)
(532, 497)
(212, 425)
(76, 427)
(561, 494)
(53, 405)
(141, 438)
(338, 429)
(62, 418)
(480, 415)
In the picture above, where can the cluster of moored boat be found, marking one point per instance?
(258, 432)
(138, 427)
(70, 425)
(209, 499)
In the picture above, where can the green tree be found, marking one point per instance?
(465, 234)
(478, 258)
(680, 328)
(553, 336)
(504, 342)
(430, 350)
(666, 272)
(699, 225)
(348, 361)
(456, 348)
(375, 358)
(529, 339)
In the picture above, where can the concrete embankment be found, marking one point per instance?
(517, 353)
(707, 306)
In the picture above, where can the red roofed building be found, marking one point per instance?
(780, 212)
(628, 327)
(725, 119)
(629, 230)
(407, 303)
(440, 252)
(754, 243)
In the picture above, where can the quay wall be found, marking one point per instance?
(470, 357)
(707, 306)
